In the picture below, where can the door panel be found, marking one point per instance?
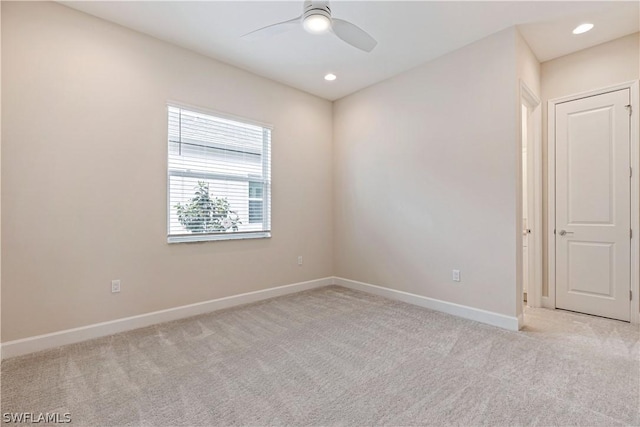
(590, 166)
(599, 278)
(593, 247)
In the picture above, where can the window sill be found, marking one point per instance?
(197, 238)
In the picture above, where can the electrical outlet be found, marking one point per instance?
(115, 286)
(300, 260)
(456, 275)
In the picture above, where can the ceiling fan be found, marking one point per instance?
(316, 19)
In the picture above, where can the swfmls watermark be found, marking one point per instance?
(36, 417)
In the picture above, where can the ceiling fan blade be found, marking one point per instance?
(273, 30)
(353, 35)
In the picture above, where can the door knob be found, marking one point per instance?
(563, 232)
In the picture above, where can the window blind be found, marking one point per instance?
(219, 177)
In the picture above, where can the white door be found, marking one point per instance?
(593, 202)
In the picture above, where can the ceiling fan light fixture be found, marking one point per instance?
(316, 23)
(316, 19)
(583, 28)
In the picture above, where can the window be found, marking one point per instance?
(255, 202)
(219, 178)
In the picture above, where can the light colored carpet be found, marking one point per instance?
(333, 356)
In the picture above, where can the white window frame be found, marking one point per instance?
(266, 178)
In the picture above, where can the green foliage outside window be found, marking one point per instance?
(204, 214)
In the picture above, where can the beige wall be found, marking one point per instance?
(84, 174)
(425, 168)
(617, 61)
(599, 66)
(528, 65)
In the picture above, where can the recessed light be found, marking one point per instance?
(330, 77)
(582, 28)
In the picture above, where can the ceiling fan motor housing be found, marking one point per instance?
(316, 8)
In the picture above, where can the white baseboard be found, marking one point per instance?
(97, 330)
(483, 316)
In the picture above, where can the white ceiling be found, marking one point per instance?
(408, 33)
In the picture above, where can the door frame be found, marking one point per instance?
(550, 300)
(532, 103)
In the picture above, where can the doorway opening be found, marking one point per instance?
(531, 152)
